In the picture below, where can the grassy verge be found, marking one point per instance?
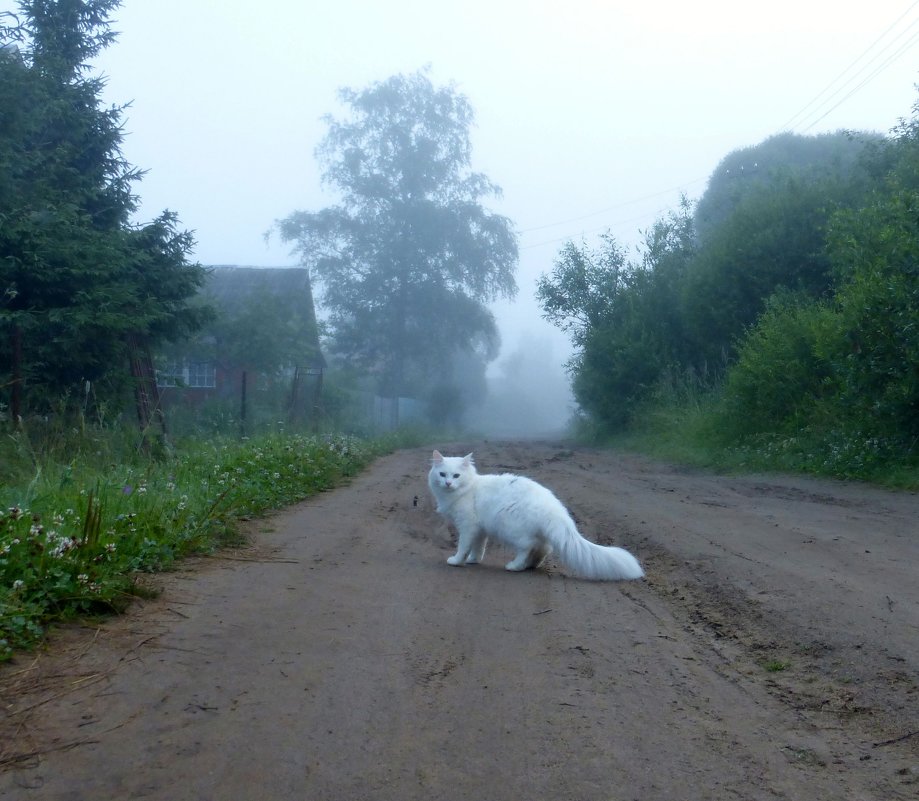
(689, 429)
(688, 423)
(76, 536)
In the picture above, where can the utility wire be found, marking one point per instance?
(876, 72)
(910, 43)
(611, 208)
(569, 237)
(804, 112)
(797, 119)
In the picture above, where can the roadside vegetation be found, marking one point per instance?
(772, 325)
(84, 514)
(93, 301)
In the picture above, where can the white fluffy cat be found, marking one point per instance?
(521, 514)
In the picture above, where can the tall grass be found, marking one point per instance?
(675, 423)
(689, 421)
(84, 513)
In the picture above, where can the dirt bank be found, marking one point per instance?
(771, 653)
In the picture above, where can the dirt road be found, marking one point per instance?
(771, 653)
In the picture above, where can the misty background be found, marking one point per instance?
(591, 116)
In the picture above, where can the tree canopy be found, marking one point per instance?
(78, 280)
(625, 318)
(408, 258)
(790, 292)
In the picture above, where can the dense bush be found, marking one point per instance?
(780, 376)
(876, 351)
(793, 294)
(836, 382)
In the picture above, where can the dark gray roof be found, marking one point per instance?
(228, 286)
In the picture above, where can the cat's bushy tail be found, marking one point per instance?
(589, 560)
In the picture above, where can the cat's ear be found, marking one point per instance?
(438, 457)
(468, 460)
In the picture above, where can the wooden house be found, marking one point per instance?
(263, 340)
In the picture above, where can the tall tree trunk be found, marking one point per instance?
(399, 350)
(317, 403)
(293, 410)
(242, 404)
(398, 371)
(146, 392)
(16, 388)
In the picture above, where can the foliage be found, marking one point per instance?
(830, 386)
(624, 318)
(705, 277)
(66, 34)
(773, 241)
(784, 334)
(833, 386)
(75, 538)
(876, 349)
(257, 319)
(582, 289)
(76, 278)
(779, 376)
(834, 157)
(162, 281)
(408, 258)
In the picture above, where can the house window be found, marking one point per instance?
(198, 375)
(170, 376)
(203, 374)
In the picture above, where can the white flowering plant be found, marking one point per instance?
(75, 541)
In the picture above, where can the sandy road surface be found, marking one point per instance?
(772, 653)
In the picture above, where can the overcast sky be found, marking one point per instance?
(590, 115)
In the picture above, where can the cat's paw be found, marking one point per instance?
(472, 560)
(455, 560)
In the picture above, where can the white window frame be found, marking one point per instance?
(193, 375)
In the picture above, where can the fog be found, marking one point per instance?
(528, 394)
(592, 116)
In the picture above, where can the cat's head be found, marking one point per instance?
(451, 473)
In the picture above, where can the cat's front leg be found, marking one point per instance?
(466, 539)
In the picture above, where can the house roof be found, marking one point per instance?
(230, 287)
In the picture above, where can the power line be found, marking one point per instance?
(912, 41)
(568, 237)
(870, 77)
(805, 111)
(797, 119)
(611, 208)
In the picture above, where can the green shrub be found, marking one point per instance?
(74, 538)
(779, 376)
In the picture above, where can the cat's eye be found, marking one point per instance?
(456, 475)
(443, 475)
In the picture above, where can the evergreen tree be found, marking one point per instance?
(80, 286)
